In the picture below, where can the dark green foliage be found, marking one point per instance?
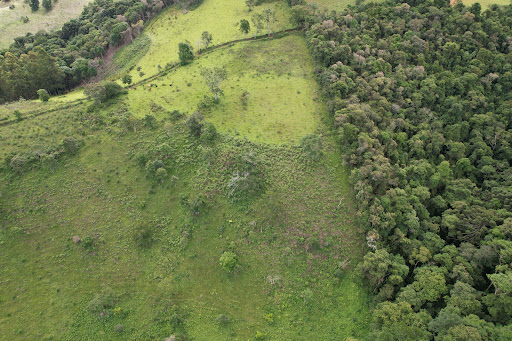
(248, 179)
(71, 145)
(420, 100)
(47, 4)
(34, 5)
(87, 243)
(244, 26)
(194, 124)
(186, 54)
(127, 79)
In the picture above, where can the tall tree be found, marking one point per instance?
(257, 21)
(244, 26)
(269, 17)
(185, 53)
(213, 78)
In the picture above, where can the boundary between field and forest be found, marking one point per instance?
(276, 35)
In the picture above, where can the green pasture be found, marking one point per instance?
(283, 101)
(173, 27)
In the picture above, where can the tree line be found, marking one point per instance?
(420, 99)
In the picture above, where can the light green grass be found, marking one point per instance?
(283, 102)
(12, 27)
(217, 17)
(486, 3)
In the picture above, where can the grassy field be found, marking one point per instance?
(11, 25)
(290, 237)
(283, 102)
(298, 230)
(173, 27)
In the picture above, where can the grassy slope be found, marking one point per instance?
(173, 27)
(339, 5)
(47, 281)
(283, 103)
(12, 27)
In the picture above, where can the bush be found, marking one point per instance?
(248, 179)
(17, 115)
(223, 319)
(87, 243)
(312, 147)
(228, 261)
(194, 123)
(19, 163)
(143, 236)
(209, 132)
(102, 92)
(100, 302)
(127, 79)
(43, 95)
(185, 53)
(71, 145)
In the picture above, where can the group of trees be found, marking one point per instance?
(420, 97)
(34, 5)
(62, 59)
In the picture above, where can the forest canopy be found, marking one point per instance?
(420, 97)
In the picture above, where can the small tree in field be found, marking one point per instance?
(214, 78)
(186, 55)
(194, 124)
(34, 5)
(127, 79)
(250, 4)
(161, 174)
(47, 4)
(269, 18)
(206, 39)
(257, 21)
(43, 95)
(244, 27)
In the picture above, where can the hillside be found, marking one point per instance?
(145, 262)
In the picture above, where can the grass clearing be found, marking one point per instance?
(11, 25)
(283, 102)
(172, 27)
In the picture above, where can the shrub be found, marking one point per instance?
(87, 243)
(185, 53)
(143, 236)
(127, 79)
(71, 145)
(161, 174)
(43, 95)
(194, 123)
(209, 132)
(101, 92)
(312, 147)
(100, 302)
(118, 328)
(17, 115)
(228, 261)
(248, 179)
(223, 319)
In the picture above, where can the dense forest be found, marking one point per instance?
(420, 97)
(60, 60)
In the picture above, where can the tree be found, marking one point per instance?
(250, 4)
(206, 39)
(17, 114)
(244, 27)
(269, 18)
(213, 78)
(257, 21)
(127, 79)
(34, 5)
(43, 95)
(185, 53)
(71, 145)
(101, 92)
(47, 4)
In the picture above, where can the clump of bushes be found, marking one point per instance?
(248, 179)
(102, 302)
(311, 146)
(228, 261)
(143, 236)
